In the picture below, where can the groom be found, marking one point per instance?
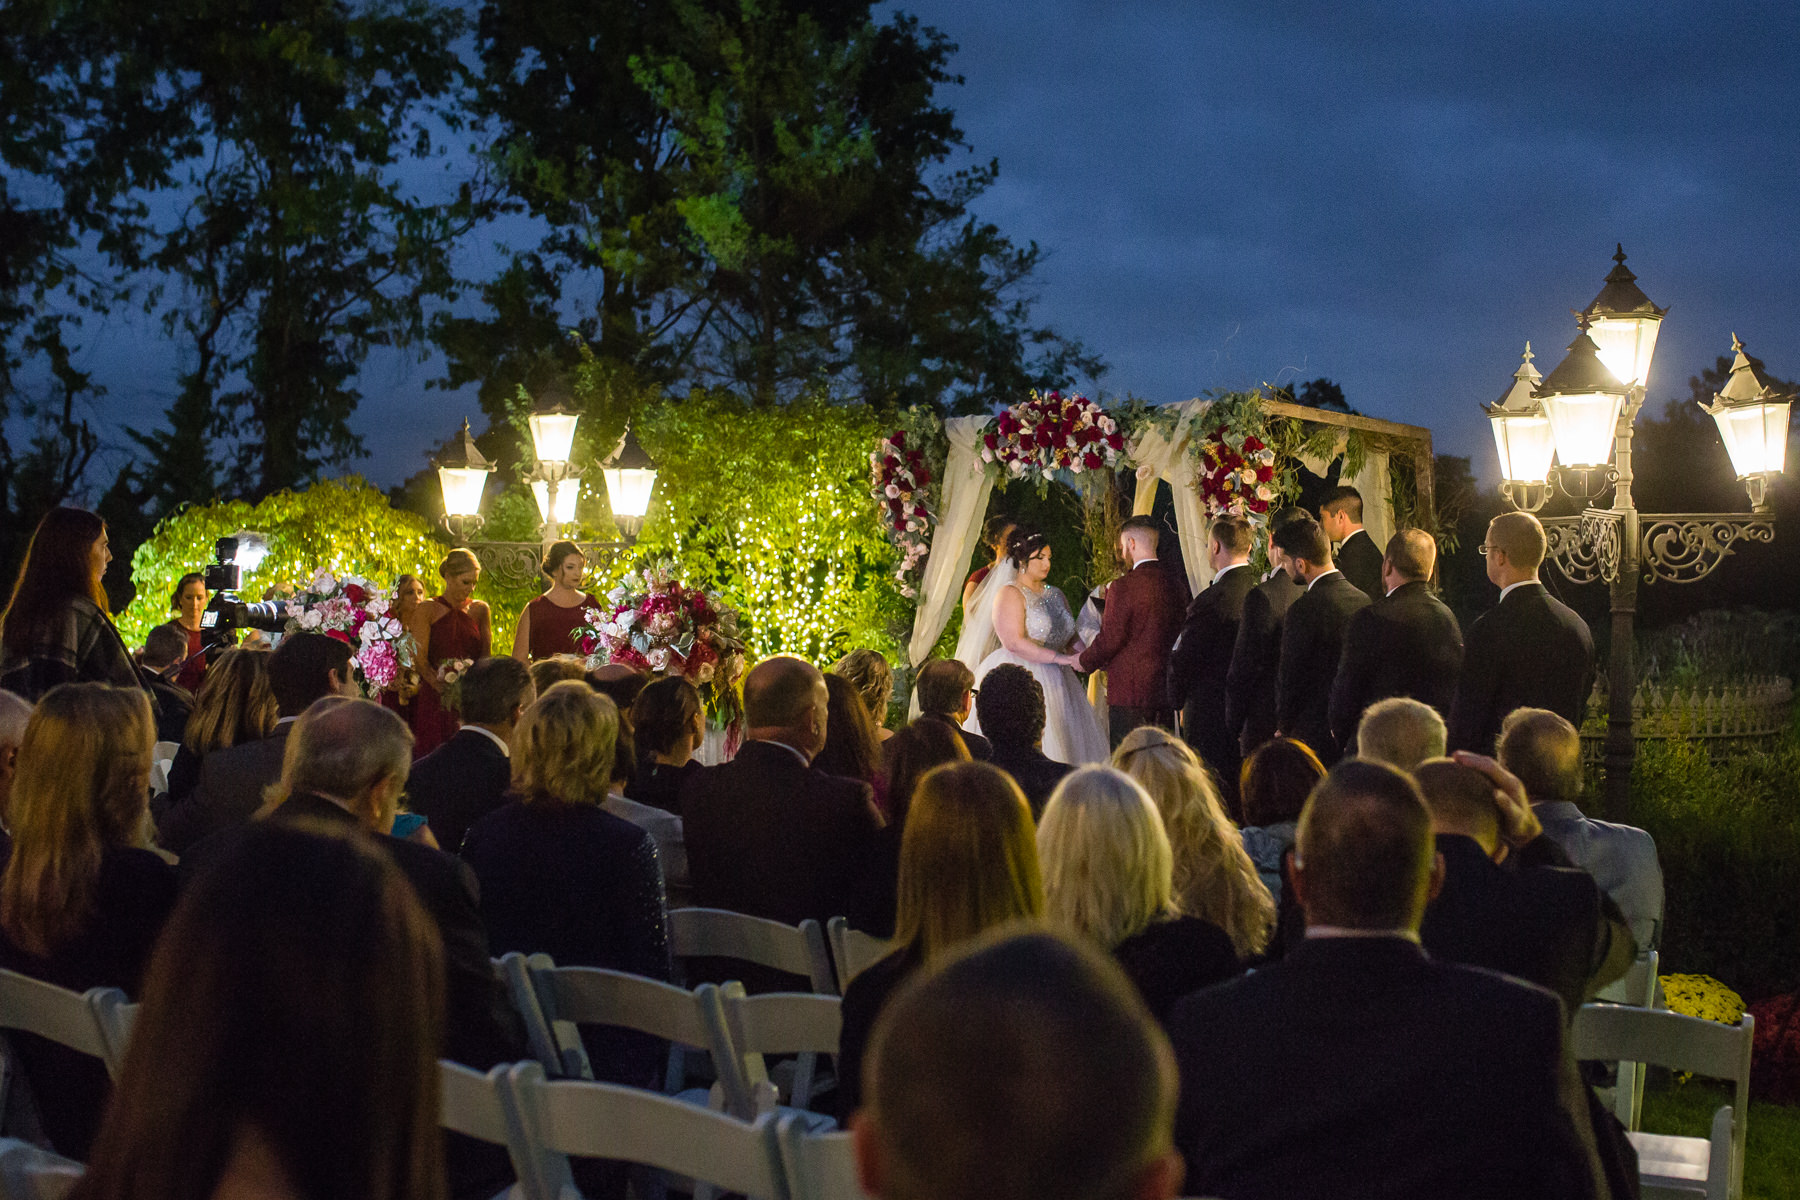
(1138, 627)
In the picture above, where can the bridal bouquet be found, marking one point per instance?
(899, 479)
(354, 611)
(1053, 432)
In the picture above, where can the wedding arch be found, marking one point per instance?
(1240, 451)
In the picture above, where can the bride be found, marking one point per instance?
(1015, 616)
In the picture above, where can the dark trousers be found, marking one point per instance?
(1123, 718)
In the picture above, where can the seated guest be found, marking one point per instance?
(561, 875)
(968, 863)
(1359, 1066)
(1011, 709)
(1024, 1070)
(1109, 874)
(620, 684)
(668, 723)
(163, 648)
(1548, 925)
(1215, 879)
(1544, 751)
(1401, 732)
(546, 673)
(291, 1025)
(83, 897)
(15, 714)
(912, 752)
(852, 749)
(946, 691)
(874, 678)
(304, 667)
(663, 826)
(1275, 783)
(767, 833)
(466, 778)
(235, 705)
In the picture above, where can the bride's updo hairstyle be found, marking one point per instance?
(1023, 544)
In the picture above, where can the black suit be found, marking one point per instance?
(1406, 644)
(1255, 659)
(1036, 773)
(1546, 925)
(229, 793)
(980, 749)
(1359, 558)
(457, 784)
(770, 836)
(1312, 642)
(1529, 651)
(1360, 1067)
(1198, 667)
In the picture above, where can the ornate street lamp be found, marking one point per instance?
(1522, 437)
(554, 483)
(462, 477)
(565, 491)
(1590, 403)
(630, 480)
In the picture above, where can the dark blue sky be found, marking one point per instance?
(1393, 195)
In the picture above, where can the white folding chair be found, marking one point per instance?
(799, 1023)
(721, 933)
(1637, 987)
(162, 757)
(87, 1021)
(819, 1166)
(564, 1118)
(853, 951)
(29, 1172)
(1667, 1165)
(482, 1107)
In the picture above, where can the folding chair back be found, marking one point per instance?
(601, 1120)
(481, 1106)
(781, 1023)
(1659, 1038)
(28, 1172)
(853, 951)
(84, 1021)
(819, 1166)
(720, 933)
(1637, 986)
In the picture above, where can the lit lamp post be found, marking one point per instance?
(1583, 412)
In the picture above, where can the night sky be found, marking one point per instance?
(1396, 196)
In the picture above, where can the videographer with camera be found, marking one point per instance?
(57, 627)
(188, 602)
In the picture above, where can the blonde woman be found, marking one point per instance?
(83, 897)
(1109, 874)
(1214, 877)
(968, 863)
(235, 705)
(873, 678)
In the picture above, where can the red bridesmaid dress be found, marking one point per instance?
(456, 634)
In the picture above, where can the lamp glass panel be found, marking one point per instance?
(1525, 446)
(566, 493)
(462, 487)
(628, 490)
(553, 435)
(1626, 346)
(1755, 436)
(1583, 424)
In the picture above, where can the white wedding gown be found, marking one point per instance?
(1072, 732)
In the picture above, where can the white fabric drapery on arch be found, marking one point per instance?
(1161, 456)
(963, 504)
(1373, 481)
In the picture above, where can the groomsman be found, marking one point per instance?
(1357, 555)
(1529, 651)
(1312, 637)
(1405, 644)
(1201, 659)
(1250, 682)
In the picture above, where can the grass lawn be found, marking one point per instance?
(1772, 1167)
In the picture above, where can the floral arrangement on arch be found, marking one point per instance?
(658, 624)
(1236, 470)
(901, 480)
(354, 611)
(1049, 432)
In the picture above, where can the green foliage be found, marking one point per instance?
(1716, 648)
(770, 508)
(343, 525)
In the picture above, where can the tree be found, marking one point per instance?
(1316, 393)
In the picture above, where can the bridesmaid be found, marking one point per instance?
(546, 623)
(994, 536)
(452, 625)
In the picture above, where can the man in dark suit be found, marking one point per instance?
(1356, 553)
(1529, 651)
(164, 647)
(304, 667)
(1256, 657)
(1405, 644)
(770, 836)
(467, 777)
(946, 689)
(1201, 659)
(1510, 902)
(1357, 1065)
(1138, 626)
(1011, 706)
(1312, 637)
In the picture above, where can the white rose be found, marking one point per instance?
(893, 491)
(659, 659)
(311, 619)
(987, 455)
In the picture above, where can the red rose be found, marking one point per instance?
(354, 594)
(1264, 474)
(1252, 444)
(1092, 461)
(339, 634)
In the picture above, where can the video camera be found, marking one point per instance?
(226, 614)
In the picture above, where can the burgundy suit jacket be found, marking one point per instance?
(1143, 615)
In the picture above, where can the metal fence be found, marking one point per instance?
(1751, 713)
